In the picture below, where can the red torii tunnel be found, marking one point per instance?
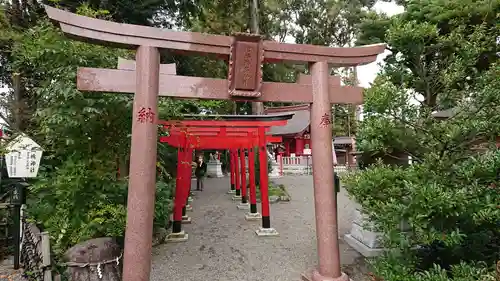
(238, 134)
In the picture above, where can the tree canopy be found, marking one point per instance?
(444, 56)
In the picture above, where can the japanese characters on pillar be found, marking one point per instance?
(245, 66)
(326, 120)
(146, 115)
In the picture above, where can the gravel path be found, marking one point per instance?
(223, 246)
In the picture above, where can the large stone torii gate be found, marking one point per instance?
(246, 53)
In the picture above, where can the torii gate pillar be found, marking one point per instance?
(325, 200)
(142, 177)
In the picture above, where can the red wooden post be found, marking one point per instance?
(244, 203)
(231, 169)
(299, 146)
(253, 215)
(266, 229)
(177, 234)
(237, 196)
(186, 183)
(178, 204)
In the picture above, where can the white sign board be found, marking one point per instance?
(23, 157)
(307, 151)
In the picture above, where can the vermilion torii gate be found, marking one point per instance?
(238, 134)
(246, 54)
(235, 143)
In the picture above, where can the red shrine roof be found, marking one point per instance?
(297, 125)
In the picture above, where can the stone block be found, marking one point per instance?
(231, 191)
(253, 216)
(236, 197)
(266, 232)
(284, 198)
(370, 238)
(361, 248)
(186, 220)
(243, 206)
(177, 237)
(189, 208)
(274, 199)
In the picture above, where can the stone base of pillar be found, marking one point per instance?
(231, 191)
(189, 208)
(177, 237)
(253, 216)
(236, 197)
(313, 275)
(266, 232)
(186, 220)
(243, 206)
(190, 199)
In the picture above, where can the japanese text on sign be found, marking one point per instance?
(31, 162)
(146, 115)
(325, 120)
(247, 63)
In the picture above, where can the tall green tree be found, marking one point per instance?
(78, 194)
(332, 23)
(444, 55)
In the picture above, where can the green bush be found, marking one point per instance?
(394, 269)
(453, 210)
(79, 201)
(274, 190)
(83, 200)
(164, 203)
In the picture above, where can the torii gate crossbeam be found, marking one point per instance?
(246, 140)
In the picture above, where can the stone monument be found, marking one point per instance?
(364, 238)
(275, 167)
(214, 167)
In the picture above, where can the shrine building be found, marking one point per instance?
(296, 135)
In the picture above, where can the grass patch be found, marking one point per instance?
(276, 190)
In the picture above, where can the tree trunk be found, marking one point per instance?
(16, 84)
(257, 107)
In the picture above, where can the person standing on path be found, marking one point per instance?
(336, 179)
(199, 172)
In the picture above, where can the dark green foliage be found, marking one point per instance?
(85, 136)
(441, 58)
(78, 201)
(164, 203)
